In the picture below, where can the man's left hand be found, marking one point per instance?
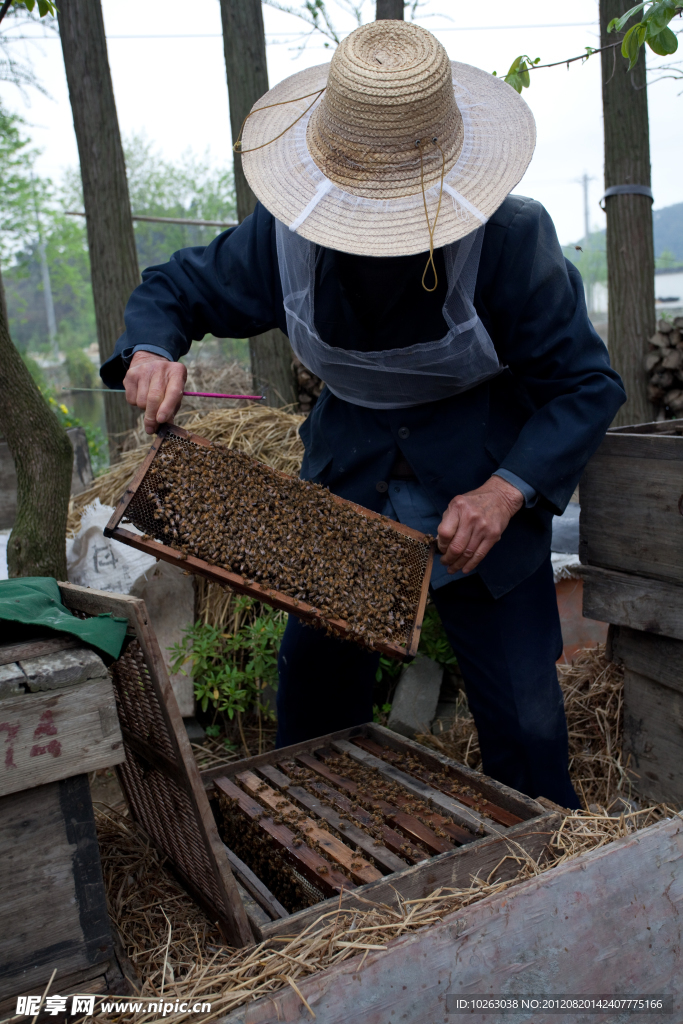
(475, 521)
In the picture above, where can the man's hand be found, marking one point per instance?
(475, 521)
(156, 385)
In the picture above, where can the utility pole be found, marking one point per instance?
(587, 277)
(586, 215)
(630, 248)
(45, 274)
(47, 295)
(390, 10)
(244, 45)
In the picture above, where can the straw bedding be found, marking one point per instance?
(593, 694)
(177, 954)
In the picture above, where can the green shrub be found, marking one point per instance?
(230, 670)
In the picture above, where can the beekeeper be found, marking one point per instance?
(465, 386)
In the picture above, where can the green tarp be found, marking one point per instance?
(36, 601)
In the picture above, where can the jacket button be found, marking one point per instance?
(403, 433)
(382, 486)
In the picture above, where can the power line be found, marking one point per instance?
(449, 28)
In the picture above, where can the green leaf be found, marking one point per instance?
(631, 43)
(664, 43)
(616, 24)
(659, 16)
(518, 75)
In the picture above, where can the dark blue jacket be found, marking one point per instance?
(542, 418)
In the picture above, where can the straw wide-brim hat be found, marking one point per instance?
(380, 123)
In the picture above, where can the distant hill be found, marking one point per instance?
(668, 227)
(668, 232)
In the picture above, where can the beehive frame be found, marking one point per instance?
(239, 584)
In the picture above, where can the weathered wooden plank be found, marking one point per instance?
(653, 736)
(444, 784)
(360, 870)
(284, 753)
(613, 912)
(465, 815)
(49, 736)
(655, 427)
(634, 601)
(646, 536)
(52, 905)
(407, 823)
(661, 446)
(306, 861)
(385, 858)
(255, 887)
(454, 869)
(497, 792)
(658, 657)
(37, 648)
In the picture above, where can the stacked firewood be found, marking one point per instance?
(664, 366)
(308, 386)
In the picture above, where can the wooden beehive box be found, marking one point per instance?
(363, 814)
(631, 547)
(57, 723)
(653, 712)
(632, 503)
(440, 824)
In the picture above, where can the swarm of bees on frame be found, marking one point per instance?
(287, 535)
(261, 853)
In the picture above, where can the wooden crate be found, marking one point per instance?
(632, 503)
(653, 712)
(471, 824)
(136, 506)
(52, 905)
(606, 923)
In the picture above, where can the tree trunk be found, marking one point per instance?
(111, 240)
(630, 247)
(389, 9)
(244, 46)
(43, 458)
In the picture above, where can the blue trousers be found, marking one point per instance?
(506, 650)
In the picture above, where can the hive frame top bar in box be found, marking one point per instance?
(471, 824)
(264, 593)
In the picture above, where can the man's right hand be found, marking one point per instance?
(156, 385)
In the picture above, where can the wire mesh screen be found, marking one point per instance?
(159, 794)
(287, 541)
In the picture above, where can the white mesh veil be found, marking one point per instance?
(392, 378)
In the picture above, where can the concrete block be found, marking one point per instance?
(169, 597)
(12, 681)
(67, 668)
(416, 697)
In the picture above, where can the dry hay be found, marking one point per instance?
(177, 954)
(593, 700)
(270, 435)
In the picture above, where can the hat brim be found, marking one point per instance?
(499, 141)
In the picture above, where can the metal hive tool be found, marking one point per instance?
(168, 454)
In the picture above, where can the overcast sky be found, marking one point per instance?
(169, 79)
